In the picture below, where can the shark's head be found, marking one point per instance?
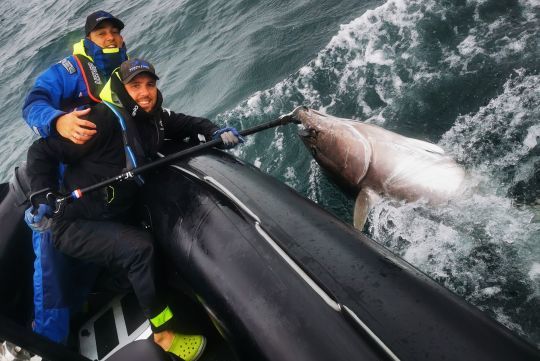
(315, 131)
(334, 144)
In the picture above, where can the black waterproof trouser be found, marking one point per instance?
(114, 245)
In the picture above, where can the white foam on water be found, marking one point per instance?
(507, 321)
(314, 177)
(469, 47)
(533, 137)
(345, 58)
(383, 54)
(490, 291)
(480, 247)
(503, 131)
(290, 174)
(533, 6)
(278, 141)
(384, 45)
(534, 273)
(253, 103)
(377, 56)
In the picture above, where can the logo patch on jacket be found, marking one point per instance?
(95, 73)
(69, 67)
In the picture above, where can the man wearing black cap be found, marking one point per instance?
(132, 126)
(55, 107)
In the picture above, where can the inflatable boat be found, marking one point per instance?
(265, 273)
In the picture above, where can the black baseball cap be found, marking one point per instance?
(94, 19)
(133, 67)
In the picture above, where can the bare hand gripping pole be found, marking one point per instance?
(58, 201)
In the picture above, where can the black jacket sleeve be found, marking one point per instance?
(44, 158)
(45, 154)
(179, 126)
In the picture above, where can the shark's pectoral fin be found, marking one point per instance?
(364, 201)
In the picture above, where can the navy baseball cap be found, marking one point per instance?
(133, 67)
(94, 19)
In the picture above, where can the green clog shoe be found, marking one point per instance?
(188, 347)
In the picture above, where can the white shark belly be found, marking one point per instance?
(404, 171)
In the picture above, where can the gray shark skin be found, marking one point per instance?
(374, 162)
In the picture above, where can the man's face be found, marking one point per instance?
(106, 35)
(143, 89)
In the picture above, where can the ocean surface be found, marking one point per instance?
(464, 74)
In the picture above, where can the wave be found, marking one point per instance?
(408, 62)
(415, 67)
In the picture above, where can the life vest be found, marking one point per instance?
(93, 80)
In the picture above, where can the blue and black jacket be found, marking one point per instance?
(72, 83)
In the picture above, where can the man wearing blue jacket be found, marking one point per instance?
(53, 105)
(56, 107)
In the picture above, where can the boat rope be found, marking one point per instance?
(370, 333)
